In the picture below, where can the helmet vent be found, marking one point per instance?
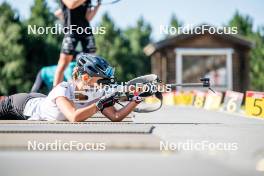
(92, 69)
(99, 66)
(82, 61)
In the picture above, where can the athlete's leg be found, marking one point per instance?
(38, 83)
(88, 44)
(11, 107)
(62, 64)
(5, 107)
(69, 44)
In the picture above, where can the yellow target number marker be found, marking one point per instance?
(183, 98)
(255, 104)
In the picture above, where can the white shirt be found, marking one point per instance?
(45, 108)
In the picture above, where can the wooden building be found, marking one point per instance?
(187, 57)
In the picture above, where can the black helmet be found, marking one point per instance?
(94, 66)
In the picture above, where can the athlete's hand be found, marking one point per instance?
(148, 90)
(137, 99)
(106, 101)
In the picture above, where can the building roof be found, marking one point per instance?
(175, 39)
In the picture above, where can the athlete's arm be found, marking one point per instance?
(58, 14)
(72, 4)
(118, 115)
(71, 113)
(91, 12)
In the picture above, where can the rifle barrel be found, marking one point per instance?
(187, 85)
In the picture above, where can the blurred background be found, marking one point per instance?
(134, 44)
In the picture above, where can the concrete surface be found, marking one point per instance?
(173, 124)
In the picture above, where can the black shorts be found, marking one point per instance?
(12, 107)
(70, 42)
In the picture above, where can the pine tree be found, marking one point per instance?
(111, 46)
(11, 52)
(41, 49)
(175, 22)
(138, 37)
(124, 48)
(244, 23)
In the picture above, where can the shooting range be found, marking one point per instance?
(121, 87)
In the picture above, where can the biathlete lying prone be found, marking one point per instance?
(60, 104)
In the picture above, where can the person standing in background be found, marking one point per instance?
(45, 76)
(75, 14)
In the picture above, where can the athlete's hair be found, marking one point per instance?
(75, 74)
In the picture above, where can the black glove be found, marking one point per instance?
(148, 90)
(106, 101)
(137, 99)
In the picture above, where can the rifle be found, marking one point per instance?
(123, 93)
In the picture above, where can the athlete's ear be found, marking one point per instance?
(85, 77)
